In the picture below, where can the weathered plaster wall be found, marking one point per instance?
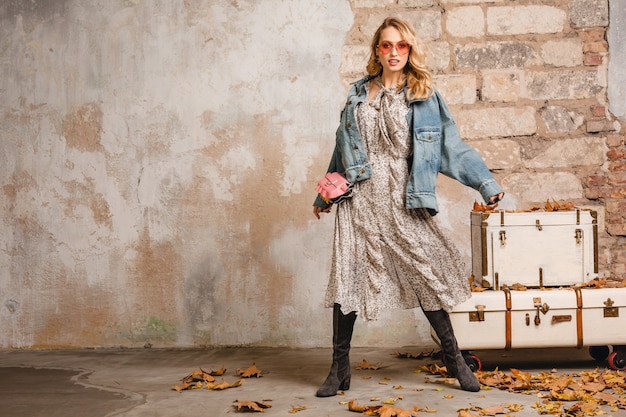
(158, 159)
(156, 170)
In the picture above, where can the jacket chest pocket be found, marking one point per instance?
(427, 144)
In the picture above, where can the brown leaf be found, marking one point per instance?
(388, 411)
(420, 355)
(353, 406)
(492, 411)
(297, 408)
(559, 384)
(224, 385)
(249, 372)
(480, 207)
(219, 372)
(594, 387)
(198, 375)
(464, 412)
(366, 365)
(252, 406)
(607, 398)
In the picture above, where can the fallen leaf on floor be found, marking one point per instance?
(420, 355)
(353, 406)
(224, 385)
(219, 372)
(465, 412)
(255, 406)
(249, 372)
(297, 408)
(365, 365)
(392, 401)
(194, 380)
(435, 369)
(387, 411)
(491, 411)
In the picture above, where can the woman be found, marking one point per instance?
(396, 134)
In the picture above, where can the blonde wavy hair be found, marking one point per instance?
(418, 77)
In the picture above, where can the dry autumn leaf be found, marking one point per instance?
(252, 406)
(388, 411)
(219, 372)
(353, 406)
(420, 355)
(492, 411)
(464, 412)
(481, 208)
(297, 408)
(365, 365)
(224, 385)
(194, 380)
(249, 372)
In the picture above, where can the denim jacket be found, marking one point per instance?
(437, 147)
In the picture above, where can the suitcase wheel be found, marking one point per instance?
(599, 353)
(617, 361)
(473, 362)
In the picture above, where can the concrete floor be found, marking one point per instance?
(137, 382)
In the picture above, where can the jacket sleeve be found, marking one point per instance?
(462, 162)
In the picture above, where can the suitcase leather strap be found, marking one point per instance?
(507, 317)
(579, 317)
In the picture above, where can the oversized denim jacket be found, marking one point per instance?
(437, 147)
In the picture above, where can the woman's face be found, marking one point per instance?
(392, 50)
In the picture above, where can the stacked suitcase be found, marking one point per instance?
(537, 267)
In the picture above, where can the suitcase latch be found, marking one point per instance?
(541, 308)
(502, 238)
(609, 310)
(578, 236)
(538, 225)
(478, 315)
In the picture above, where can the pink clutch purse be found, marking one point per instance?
(334, 188)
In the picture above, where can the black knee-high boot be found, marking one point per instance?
(455, 363)
(339, 375)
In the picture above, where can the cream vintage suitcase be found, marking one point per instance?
(566, 317)
(534, 249)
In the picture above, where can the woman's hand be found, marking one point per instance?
(495, 198)
(318, 210)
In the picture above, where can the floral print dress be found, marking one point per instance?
(385, 255)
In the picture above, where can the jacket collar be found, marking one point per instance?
(359, 86)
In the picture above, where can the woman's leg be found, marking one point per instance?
(339, 375)
(455, 363)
